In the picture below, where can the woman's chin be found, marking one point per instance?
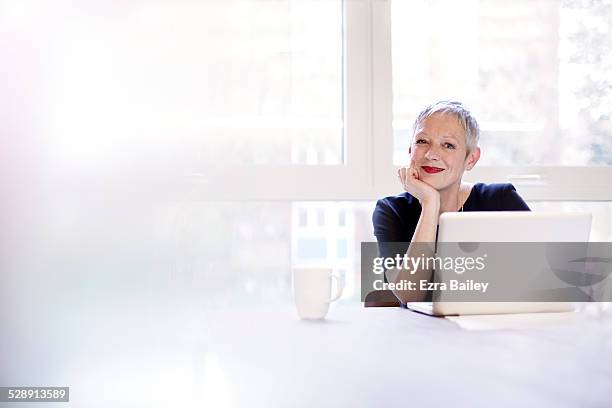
(432, 179)
(439, 185)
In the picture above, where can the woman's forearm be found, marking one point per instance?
(422, 244)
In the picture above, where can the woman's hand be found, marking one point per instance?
(426, 194)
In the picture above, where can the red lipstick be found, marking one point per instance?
(430, 170)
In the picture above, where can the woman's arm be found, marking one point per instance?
(424, 237)
(421, 244)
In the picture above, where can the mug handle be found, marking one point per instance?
(338, 287)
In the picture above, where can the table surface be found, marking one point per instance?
(186, 354)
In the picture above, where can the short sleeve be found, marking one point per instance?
(388, 230)
(510, 200)
(386, 222)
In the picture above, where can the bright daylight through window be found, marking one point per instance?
(537, 74)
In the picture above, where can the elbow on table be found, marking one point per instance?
(407, 289)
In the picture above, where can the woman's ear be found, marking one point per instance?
(472, 158)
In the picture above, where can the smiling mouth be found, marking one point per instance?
(431, 170)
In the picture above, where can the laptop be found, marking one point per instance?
(506, 226)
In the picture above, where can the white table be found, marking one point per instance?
(168, 353)
(389, 356)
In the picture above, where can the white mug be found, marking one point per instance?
(312, 291)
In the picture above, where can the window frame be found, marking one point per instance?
(368, 171)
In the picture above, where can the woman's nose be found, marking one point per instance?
(432, 154)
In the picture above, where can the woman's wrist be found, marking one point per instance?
(432, 203)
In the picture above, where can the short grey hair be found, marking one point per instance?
(464, 116)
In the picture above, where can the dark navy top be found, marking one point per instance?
(395, 218)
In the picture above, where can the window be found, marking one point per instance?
(305, 99)
(535, 73)
(191, 83)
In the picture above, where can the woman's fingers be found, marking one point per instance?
(414, 173)
(407, 175)
(401, 173)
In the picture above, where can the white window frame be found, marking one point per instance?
(368, 172)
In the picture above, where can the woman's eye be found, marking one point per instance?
(421, 141)
(449, 145)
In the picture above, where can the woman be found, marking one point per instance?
(444, 145)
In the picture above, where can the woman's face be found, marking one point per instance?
(438, 151)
